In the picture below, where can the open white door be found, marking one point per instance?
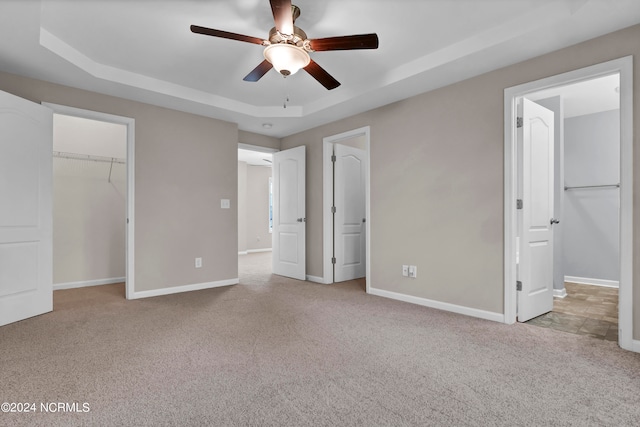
(289, 213)
(26, 272)
(349, 219)
(535, 270)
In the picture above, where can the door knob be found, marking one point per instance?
(301, 219)
(554, 221)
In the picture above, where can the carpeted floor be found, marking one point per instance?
(278, 352)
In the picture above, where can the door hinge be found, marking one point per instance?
(333, 260)
(519, 204)
(518, 285)
(333, 209)
(519, 122)
(333, 158)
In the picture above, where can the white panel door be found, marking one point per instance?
(289, 222)
(535, 270)
(26, 272)
(349, 219)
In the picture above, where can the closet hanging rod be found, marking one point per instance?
(594, 186)
(89, 157)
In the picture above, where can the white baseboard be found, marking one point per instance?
(185, 288)
(560, 293)
(473, 312)
(254, 251)
(315, 279)
(85, 283)
(635, 346)
(595, 282)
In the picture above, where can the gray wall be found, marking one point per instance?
(184, 165)
(437, 180)
(591, 216)
(253, 207)
(555, 104)
(251, 138)
(258, 235)
(89, 215)
(242, 207)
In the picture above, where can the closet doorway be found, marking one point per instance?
(92, 199)
(586, 271)
(346, 207)
(604, 163)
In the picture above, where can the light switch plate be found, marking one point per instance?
(405, 270)
(413, 271)
(225, 203)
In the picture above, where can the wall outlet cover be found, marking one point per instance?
(198, 262)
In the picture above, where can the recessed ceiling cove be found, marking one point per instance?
(147, 52)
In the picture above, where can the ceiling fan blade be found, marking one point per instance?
(360, 41)
(319, 73)
(282, 15)
(258, 72)
(226, 35)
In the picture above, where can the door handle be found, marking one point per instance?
(302, 220)
(554, 221)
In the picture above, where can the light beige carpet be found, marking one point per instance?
(278, 352)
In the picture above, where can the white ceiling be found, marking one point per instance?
(143, 50)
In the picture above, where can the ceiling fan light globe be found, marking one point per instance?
(286, 58)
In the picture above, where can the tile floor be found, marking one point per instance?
(586, 310)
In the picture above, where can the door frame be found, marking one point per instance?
(130, 228)
(624, 67)
(327, 201)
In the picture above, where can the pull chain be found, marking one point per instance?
(286, 92)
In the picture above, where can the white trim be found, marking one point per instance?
(327, 198)
(635, 346)
(257, 148)
(86, 283)
(316, 279)
(560, 293)
(185, 288)
(255, 251)
(467, 311)
(131, 133)
(594, 282)
(623, 66)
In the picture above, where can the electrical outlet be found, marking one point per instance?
(225, 203)
(198, 262)
(413, 271)
(405, 270)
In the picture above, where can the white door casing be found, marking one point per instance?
(289, 219)
(536, 156)
(26, 216)
(350, 215)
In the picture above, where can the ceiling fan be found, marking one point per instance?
(287, 48)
